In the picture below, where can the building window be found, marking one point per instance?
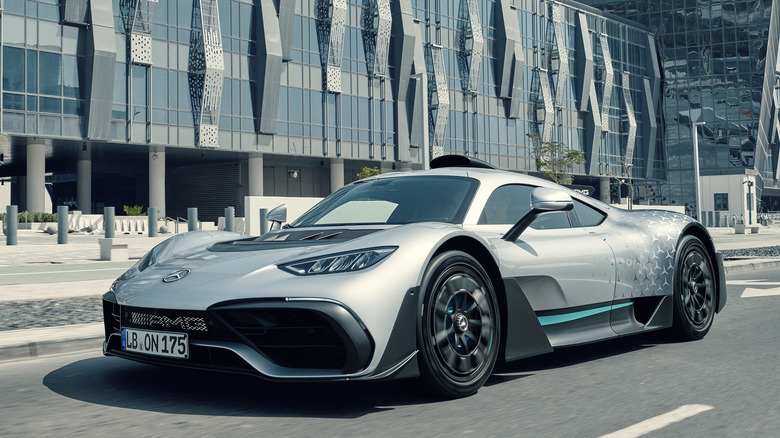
(721, 201)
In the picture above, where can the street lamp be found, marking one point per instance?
(695, 133)
(750, 200)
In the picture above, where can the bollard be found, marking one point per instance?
(62, 224)
(108, 221)
(230, 213)
(152, 212)
(192, 219)
(263, 221)
(12, 219)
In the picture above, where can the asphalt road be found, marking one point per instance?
(725, 385)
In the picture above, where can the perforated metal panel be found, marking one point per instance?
(206, 72)
(609, 78)
(438, 98)
(377, 26)
(141, 49)
(208, 136)
(549, 121)
(331, 24)
(631, 141)
(471, 43)
(562, 53)
(144, 12)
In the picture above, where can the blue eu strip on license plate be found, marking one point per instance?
(166, 344)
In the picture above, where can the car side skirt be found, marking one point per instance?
(524, 334)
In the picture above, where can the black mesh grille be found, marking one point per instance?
(293, 338)
(199, 325)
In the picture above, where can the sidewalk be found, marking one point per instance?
(37, 270)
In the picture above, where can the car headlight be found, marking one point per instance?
(342, 262)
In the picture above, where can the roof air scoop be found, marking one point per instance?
(459, 161)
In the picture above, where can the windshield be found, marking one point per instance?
(398, 200)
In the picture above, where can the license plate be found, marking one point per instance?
(156, 343)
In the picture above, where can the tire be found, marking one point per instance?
(694, 291)
(459, 309)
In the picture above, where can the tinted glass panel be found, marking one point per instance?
(585, 215)
(508, 204)
(395, 201)
(13, 76)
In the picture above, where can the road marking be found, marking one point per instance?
(63, 272)
(659, 422)
(752, 283)
(750, 292)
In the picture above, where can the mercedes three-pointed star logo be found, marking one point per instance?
(176, 275)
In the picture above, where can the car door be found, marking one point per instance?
(565, 270)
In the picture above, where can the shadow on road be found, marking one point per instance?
(120, 383)
(569, 356)
(124, 384)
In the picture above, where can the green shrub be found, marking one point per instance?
(33, 216)
(135, 210)
(367, 172)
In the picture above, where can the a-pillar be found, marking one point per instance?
(604, 189)
(36, 175)
(255, 171)
(157, 180)
(84, 179)
(336, 174)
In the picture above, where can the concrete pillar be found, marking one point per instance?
(36, 175)
(386, 166)
(255, 171)
(336, 174)
(404, 166)
(604, 189)
(84, 179)
(157, 180)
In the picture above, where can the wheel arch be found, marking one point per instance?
(477, 250)
(695, 229)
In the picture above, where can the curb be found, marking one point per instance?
(751, 265)
(49, 341)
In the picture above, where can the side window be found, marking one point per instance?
(585, 215)
(508, 204)
(551, 221)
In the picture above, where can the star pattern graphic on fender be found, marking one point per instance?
(645, 247)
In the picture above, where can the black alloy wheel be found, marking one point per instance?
(459, 327)
(695, 290)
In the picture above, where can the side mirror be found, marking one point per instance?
(277, 216)
(543, 200)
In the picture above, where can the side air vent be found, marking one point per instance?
(459, 161)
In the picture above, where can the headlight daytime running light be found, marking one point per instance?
(342, 262)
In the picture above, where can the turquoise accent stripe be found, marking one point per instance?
(567, 317)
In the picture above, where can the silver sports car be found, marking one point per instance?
(432, 275)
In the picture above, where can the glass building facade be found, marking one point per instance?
(292, 98)
(718, 60)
